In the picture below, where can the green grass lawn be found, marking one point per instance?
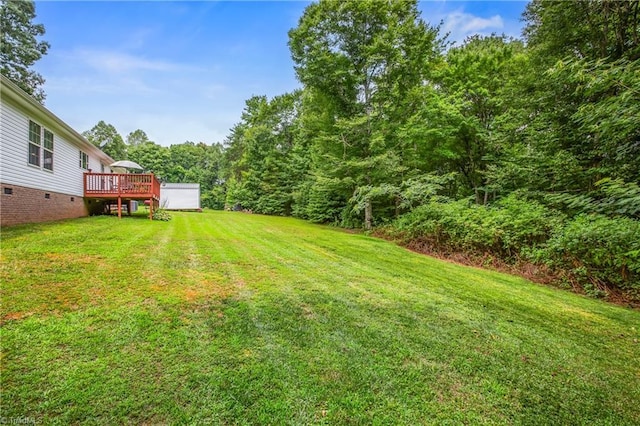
(229, 318)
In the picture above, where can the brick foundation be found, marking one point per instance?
(27, 205)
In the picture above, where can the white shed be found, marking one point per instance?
(180, 196)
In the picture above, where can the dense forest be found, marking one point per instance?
(525, 151)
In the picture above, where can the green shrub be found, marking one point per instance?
(275, 203)
(524, 223)
(162, 215)
(503, 229)
(593, 250)
(597, 250)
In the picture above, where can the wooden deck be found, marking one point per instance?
(123, 188)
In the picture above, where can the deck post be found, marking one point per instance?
(119, 208)
(150, 208)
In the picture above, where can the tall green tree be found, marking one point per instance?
(473, 81)
(20, 47)
(137, 137)
(191, 162)
(213, 188)
(106, 137)
(265, 166)
(359, 59)
(151, 156)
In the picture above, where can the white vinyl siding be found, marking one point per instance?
(66, 177)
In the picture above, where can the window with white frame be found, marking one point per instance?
(47, 150)
(34, 143)
(40, 146)
(84, 160)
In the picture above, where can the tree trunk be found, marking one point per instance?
(368, 215)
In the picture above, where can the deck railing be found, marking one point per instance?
(124, 185)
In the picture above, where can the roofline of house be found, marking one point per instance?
(9, 90)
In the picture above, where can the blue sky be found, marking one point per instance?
(181, 71)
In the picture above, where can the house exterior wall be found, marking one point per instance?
(66, 177)
(29, 183)
(180, 196)
(28, 205)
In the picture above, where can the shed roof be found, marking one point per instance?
(181, 185)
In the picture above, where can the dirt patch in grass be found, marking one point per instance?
(70, 283)
(60, 262)
(191, 285)
(208, 290)
(14, 316)
(72, 257)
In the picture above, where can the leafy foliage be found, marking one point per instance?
(19, 46)
(598, 250)
(151, 156)
(106, 137)
(361, 60)
(595, 251)
(266, 160)
(137, 137)
(503, 229)
(612, 197)
(162, 215)
(589, 29)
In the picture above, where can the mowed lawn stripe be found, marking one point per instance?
(234, 318)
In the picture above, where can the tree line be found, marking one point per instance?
(389, 111)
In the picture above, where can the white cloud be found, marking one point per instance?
(81, 86)
(460, 25)
(119, 62)
(108, 72)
